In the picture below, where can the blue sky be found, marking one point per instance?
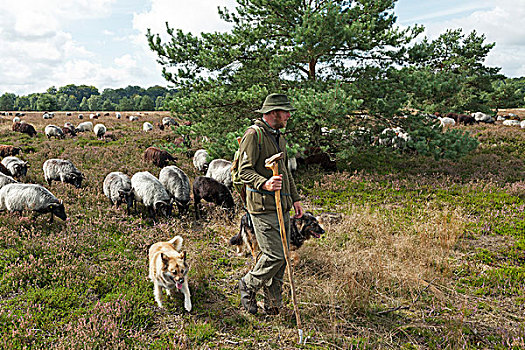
(102, 42)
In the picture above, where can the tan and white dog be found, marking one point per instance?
(168, 269)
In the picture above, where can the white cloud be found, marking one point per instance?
(194, 16)
(499, 22)
(35, 44)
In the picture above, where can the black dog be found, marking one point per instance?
(301, 229)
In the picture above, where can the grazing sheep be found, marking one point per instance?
(482, 117)
(8, 150)
(200, 160)
(93, 116)
(117, 187)
(84, 127)
(16, 120)
(177, 184)
(466, 119)
(395, 137)
(323, 160)
(69, 130)
(522, 124)
(54, 131)
(17, 197)
(47, 116)
(6, 179)
(168, 121)
(62, 170)
(150, 191)
(15, 166)
(446, 121)
(133, 118)
(99, 130)
(511, 122)
(147, 126)
(24, 128)
(220, 170)
(118, 115)
(158, 157)
(80, 116)
(213, 191)
(68, 114)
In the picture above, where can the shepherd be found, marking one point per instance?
(262, 185)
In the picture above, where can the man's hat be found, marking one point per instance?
(276, 101)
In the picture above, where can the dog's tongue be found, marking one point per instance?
(316, 235)
(179, 285)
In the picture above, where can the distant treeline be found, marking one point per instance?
(88, 98)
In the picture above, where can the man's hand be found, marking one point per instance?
(299, 211)
(274, 183)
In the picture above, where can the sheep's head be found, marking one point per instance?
(75, 179)
(163, 208)
(58, 210)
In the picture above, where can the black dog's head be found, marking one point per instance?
(304, 228)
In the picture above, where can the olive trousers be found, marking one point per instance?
(269, 270)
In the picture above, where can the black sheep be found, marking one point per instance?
(212, 191)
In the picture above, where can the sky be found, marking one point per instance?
(103, 43)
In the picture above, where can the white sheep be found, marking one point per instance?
(147, 126)
(168, 121)
(177, 184)
(446, 121)
(522, 124)
(99, 130)
(133, 118)
(84, 127)
(54, 131)
(47, 116)
(69, 125)
(5, 180)
(118, 115)
(394, 137)
(150, 191)
(16, 120)
(200, 160)
(17, 197)
(511, 122)
(220, 170)
(117, 187)
(62, 170)
(482, 117)
(15, 166)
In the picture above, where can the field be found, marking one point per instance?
(427, 254)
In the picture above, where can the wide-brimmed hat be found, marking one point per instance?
(276, 101)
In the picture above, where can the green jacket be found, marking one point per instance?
(254, 174)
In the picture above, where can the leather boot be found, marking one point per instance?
(248, 300)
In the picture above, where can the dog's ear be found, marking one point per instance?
(165, 259)
(183, 255)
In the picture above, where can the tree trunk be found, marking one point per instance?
(311, 68)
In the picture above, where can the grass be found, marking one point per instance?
(426, 255)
